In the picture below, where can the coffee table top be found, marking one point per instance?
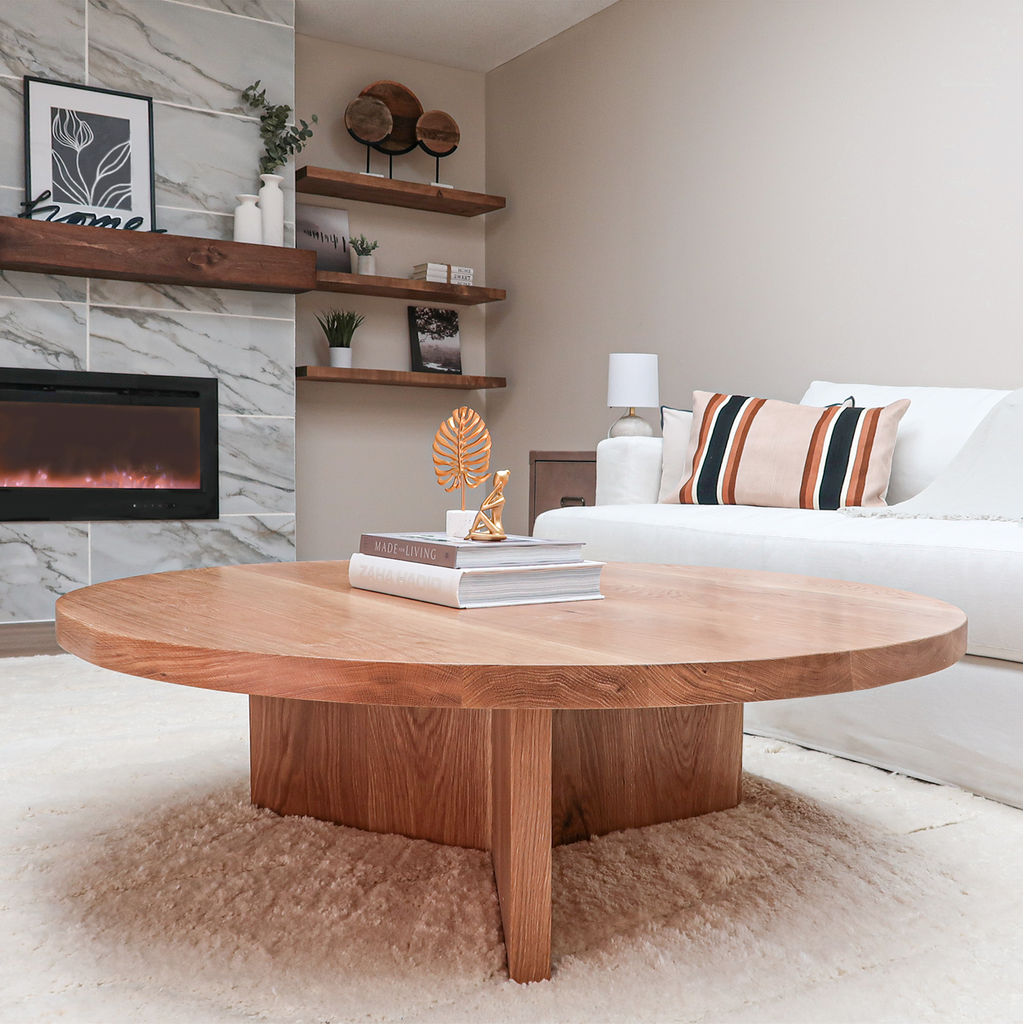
(664, 636)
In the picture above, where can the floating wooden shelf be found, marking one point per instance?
(412, 195)
(403, 288)
(43, 248)
(400, 378)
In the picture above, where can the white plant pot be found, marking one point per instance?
(459, 522)
(367, 265)
(248, 220)
(271, 205)
(340, 357)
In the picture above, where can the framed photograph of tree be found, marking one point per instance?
(88, 156)
(433, 335)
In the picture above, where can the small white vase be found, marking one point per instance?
(458, 522)
(271, 205)
(340, 357)
(248, 221)
(367, 265)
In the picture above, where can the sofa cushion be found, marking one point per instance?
(977, 566)
(757, 451)
(675, 427)
(982, 482)
(935, 427)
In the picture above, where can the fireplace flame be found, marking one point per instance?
(111, 478)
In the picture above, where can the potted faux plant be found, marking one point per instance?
(281, 141)
(339, 325)
(363, 260)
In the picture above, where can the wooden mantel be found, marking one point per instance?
(47, 248)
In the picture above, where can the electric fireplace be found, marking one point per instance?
(95, 446)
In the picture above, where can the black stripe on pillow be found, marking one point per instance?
(836, 463)
(706, 489)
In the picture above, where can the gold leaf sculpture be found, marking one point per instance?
(461, 451)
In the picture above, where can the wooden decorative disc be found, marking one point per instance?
(405, 111)
(368, 120)
(438, 133)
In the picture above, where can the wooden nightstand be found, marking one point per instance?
(560, 480)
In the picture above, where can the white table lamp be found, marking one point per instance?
(632, 383)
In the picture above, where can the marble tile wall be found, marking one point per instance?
(194, 57)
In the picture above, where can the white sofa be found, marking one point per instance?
(962, 726)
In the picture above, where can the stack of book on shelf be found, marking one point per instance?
(471, 573)
(442, 273)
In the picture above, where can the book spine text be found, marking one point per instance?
(431, 583)
(411, 551)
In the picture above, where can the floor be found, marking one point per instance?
(139, 885)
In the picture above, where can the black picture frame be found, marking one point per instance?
(88, 155)
(434, 340)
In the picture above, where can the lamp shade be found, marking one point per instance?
(632, 380)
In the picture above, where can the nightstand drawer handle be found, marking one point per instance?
(572, 502)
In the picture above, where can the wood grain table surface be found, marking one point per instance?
(664, 635)
(510, 729)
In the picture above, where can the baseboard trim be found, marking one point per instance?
(21, 639)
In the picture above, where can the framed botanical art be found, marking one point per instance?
(433, 336)
(88, 155)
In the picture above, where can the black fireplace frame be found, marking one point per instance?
(77, 504)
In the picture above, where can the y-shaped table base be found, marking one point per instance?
(515, 782)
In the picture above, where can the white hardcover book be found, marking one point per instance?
(433, 583)
(441, 268)
(476, 588)
(441, 273)
(439, 279)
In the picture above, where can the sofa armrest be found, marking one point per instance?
(628, 470)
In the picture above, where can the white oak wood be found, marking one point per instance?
(601, 715)
(665, 636)
(629, 768)
(418, 772)
(522, 838)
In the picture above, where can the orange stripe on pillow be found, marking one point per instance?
(741, 431)
(814, 455)
(706, 426)
(863, 452)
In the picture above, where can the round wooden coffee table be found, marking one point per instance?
(508, 729)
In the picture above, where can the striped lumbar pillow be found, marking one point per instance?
(757, 451)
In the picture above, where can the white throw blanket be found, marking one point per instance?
(984, 481)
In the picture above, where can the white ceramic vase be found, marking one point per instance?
(340, 356)
(271, 205)
(367, 265)
(248, 221)
(459, 522)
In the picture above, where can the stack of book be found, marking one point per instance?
(442, 273)
(471, 573)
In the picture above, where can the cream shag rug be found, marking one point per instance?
(139, 885)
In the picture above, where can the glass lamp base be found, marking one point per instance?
(631, 425)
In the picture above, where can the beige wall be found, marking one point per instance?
(362, 450)
(761, 192)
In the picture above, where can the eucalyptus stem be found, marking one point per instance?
(280, 139)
